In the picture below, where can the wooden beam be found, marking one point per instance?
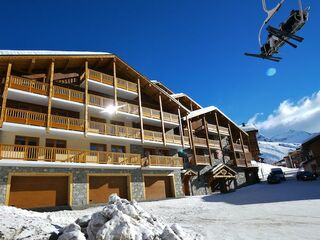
(189, 134)
(86, 98)
(162, 121)
(115, 84)
(180, 128)
(193, 146)
(50, 75)
(31, 66)
(66, 65)
(205, 124)
(218, 131)
(242, 146)
(232, 144)
(5, 94)
(140, 111)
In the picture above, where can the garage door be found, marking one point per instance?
(100, 187)
(157, 187)
(38, 191)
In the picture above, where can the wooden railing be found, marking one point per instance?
(28, 85)
(108, 79)
(238, 148)
(203, 160)
(241, 162)
(25, 117)
(153, 136)
(114, 130)
(214, 143)
(33, 86)
(168, 161)
(171, 138)
(36, 153)
(68, 94)
(74, 124)
(222, 130)
(199, 141)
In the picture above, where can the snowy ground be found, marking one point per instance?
(290, 210)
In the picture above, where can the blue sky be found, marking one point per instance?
(195, 47)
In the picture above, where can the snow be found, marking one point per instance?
(48, 52)
(275, 151)
(289, 210)
(265, 169)
(291, 136)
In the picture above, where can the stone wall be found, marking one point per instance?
(79, 180)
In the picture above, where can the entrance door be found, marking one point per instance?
(158, 187)
(31, 153)
(186, 185)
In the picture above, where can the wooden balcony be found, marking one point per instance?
(171, 138)
(114, 130)
(202, 142)
(40, 119)
(109, 80)
(203, 160)
(238, 148)
(37, 87)
(37, 153)
(166, 161)
(241, 162)
(222, 130)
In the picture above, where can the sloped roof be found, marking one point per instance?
(49, 52)
(209, 109)
(249, 127)
(180, 95)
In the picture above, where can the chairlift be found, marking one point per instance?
(277, 37)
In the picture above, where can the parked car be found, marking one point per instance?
(278, 172)
(273, 178)
(306, 175)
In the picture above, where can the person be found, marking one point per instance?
(293, 19)
(270, 44)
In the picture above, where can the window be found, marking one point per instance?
(23, 140)
(118, 123)
(56, 143)
(98, 147)
(119, 149)
(95, 119)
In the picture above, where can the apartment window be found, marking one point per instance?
(24, 140)
(119, 149)
(118, 123)
(95, 119)
(98, 147)
(56, 143)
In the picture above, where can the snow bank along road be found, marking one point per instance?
(290, 210)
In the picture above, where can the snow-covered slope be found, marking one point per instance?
(291, 136)
(275, 151)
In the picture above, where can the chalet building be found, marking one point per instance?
(294, 159)
(310, 150)
(77, 126)
(252, 131)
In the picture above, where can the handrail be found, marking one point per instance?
(28, 85)
(108, 79)
(158, 160)
(38, 153)
(203, 160)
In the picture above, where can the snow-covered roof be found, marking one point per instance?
(179, 95)
(249, 127)
(211, 109)
(313, 136)
(48, 52)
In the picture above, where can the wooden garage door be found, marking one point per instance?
(38, 191)
(157, 187)
(100, 187)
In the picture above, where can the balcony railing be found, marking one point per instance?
(33, 86)
(109, 80)
(168, 161)
(238, 148)
(170, 138)
(40, 119)
(203, 160)
(114, 130)
(203, 142)
(37, 153)
(153, 136)
(222, 130)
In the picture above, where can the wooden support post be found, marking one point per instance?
(205, 124)
(180, 128)
(189, 133)
(218, 131)
(115, 84)
(162, 121)
(50, 75)
(5, 94)
(193, 145)
(232, 145)
(86, 98)
(140, 111)
(242, 146)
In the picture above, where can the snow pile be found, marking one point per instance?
(121, 219)
(275, 151)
